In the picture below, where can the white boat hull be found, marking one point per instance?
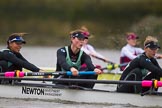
(83, 96)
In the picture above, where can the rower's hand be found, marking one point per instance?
(74, 71)
(98, 71)
(158, 56)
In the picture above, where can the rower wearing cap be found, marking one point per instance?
(70, 58)
(130, 51)
(11, 58)
(143, 67)
(89, 49)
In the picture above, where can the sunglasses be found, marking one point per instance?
(18, 43)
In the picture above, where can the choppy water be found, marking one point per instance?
(46, 57)
(17, 103)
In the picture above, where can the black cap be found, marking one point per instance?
(152, 45)
(78, 35)
(15, 38)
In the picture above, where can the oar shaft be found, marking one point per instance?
(65, 80)
(123, 64)
(145, 83)
(102, 59)
(22, 74)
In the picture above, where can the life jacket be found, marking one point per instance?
(76, 64)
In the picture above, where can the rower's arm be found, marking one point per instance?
(152, 66)
(87, 60)
(20, 62)
(61, 59)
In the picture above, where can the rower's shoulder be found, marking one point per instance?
(6, 51)
(62, 49)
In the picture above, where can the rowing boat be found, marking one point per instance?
(100, 94)
(109, 76)
(81, 96)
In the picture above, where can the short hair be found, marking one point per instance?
(149, 39)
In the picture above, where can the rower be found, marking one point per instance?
(11, 58)
(143, 67)
(89, 49)
(130, 51)
(70, 58)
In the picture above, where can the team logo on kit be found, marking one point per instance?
(62, 50)
(148, 60)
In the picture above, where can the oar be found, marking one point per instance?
(102, 59)
(22, 74)
(112, 66)
(144, 83)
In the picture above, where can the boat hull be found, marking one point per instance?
(83, 96)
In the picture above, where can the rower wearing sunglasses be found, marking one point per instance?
(11, 59)
(143, 67)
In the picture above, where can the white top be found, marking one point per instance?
(89, 49)
(130, 51)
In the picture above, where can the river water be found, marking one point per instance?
(46, 57)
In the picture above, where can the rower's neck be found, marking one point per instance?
(74, 49)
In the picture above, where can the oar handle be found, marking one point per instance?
(12, 74)
(22, 74)
(104, 60)
(153, 83)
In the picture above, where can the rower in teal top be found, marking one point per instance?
(70, 62)
(70, 58)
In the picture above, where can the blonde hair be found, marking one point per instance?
(75, 31)
(84, 28)
(19, 34)
(129, 33)
(149, 39)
